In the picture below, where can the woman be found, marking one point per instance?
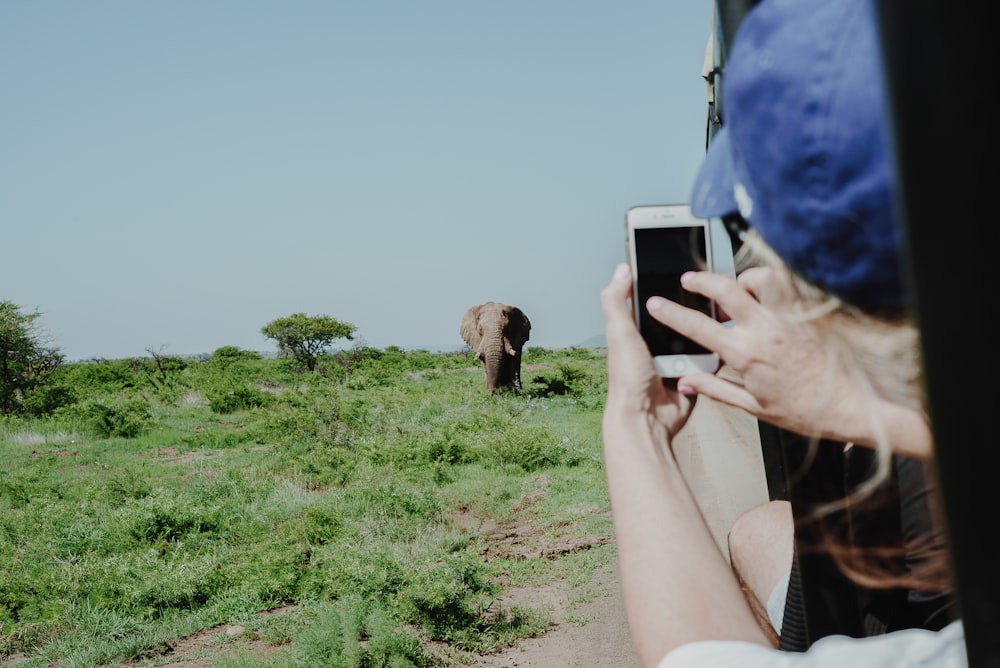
(803, 159)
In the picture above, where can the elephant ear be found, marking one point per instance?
(519, 324)
(470, 327)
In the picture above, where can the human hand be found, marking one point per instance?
(785, 374)
(636, 392)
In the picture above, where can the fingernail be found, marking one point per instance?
(621, 272)
(654, 303)
(686, 278)
(686, 390)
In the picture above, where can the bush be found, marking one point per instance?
(230, 400)
(564, 379)
(229, 353)
(354, 634)
(45, 400)
(161, 376)
(302, 418)
(529, 448)
(99, 376)
(126, 419)
(164, 515)
(447, 598)
(231, 358)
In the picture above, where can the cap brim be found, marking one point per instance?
(713, 193)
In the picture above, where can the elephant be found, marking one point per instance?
(497, 333)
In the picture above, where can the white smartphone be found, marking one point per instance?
(663, 242)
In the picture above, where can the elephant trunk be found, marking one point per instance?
(494, 362)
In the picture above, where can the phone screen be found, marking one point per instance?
(662, 254)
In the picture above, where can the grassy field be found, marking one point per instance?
(381, 504)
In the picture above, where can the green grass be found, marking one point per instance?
(386, 498)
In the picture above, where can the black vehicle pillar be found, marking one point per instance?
(939, 59)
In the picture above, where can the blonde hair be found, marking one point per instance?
(880, 355)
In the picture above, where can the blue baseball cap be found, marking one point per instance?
(803, 154)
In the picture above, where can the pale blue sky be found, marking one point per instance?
(177, 174)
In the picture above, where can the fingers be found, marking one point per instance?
(719, 389)
(732, 297)
(753, 280)
(760, 282)
(689, 322)
(737, 300)
(692, 323)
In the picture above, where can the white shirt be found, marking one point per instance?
(910, 648)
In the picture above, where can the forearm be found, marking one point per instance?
(678, 587)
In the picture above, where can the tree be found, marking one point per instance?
(26, 361)
(306, 337)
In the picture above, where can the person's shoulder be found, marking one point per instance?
(910, 648)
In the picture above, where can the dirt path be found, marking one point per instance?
(601, 638)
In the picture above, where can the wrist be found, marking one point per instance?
(886, 424)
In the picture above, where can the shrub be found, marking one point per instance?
(297, 418)
(230, 353)
(124, 485)
(318, 524)
(161, 376)
(47, 399)
(529, 448)
(164, 515)
(357, 634)
(233, 399)
(100, 376)
(564, 379)
(448, 597)
(126, 419)
(376, 572)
